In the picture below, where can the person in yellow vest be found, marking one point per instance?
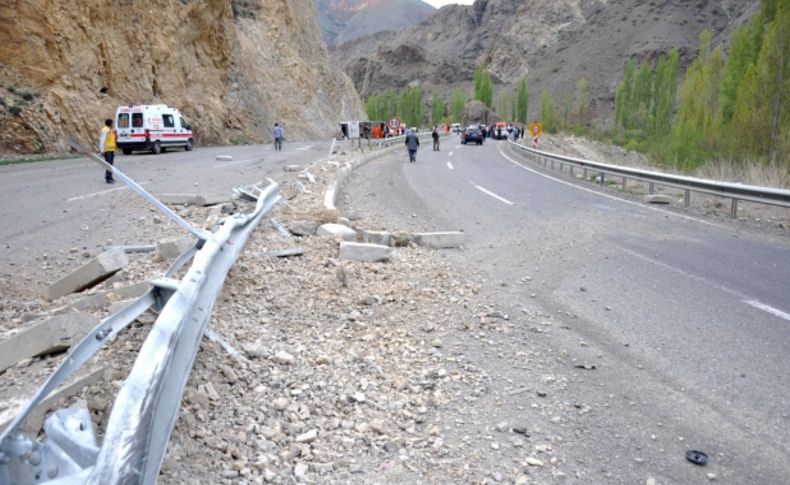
(107, 148)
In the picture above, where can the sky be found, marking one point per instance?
(442, 3)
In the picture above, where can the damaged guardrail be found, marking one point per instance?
(735, 191)
(146, 407)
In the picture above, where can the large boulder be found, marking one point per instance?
(476, 113)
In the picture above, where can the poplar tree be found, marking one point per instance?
(522, 103)
(581, 104)
(547, 112)
(457, 105)
(437, 109)
(694, 135)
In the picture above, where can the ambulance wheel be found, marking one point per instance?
(188, 146)
(127, 151)
(156, 149)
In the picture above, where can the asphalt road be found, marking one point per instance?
(50, 207)
(686, 320)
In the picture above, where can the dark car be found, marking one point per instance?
(472, 135)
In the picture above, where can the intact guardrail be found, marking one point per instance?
(734, 191)
(145, 409)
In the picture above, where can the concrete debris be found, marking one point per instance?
(337, 231)
(383, 238)
(401, 239)
(224, 158)
(92, 273)
(453, 239)
(282, 253)
(50, 336)
(292, 168)
(173, 247)
(303, 228)
(365, 252)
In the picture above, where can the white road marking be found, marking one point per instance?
(457, 147)
(737, 294)
(450, 165)
(488, 192)
(101, 192)
(625, 201)
(228, 164)
(301, 149)
(451, 154)
(767, 308)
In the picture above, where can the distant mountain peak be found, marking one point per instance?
(346, 20)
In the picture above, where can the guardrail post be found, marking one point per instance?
(562, 167)
(734, 209)
(625, 183)
(603, 179)
(571, 171)
(585, 174)
(552, 164)
(686, 198)
(651, 188)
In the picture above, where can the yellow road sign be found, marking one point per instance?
(536, 128)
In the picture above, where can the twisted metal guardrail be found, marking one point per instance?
(146, 407)
(734, 191)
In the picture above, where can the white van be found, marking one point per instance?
(154, 127)
(455, 127)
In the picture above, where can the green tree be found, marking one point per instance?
(623, 98)
(665, 92)
(373, 107)
(389, 105)
(547, 112)
(412, 107)
(457, 105)
(744, 50)
(762, 110)
(522, 103)
(642, 98)
(694, 137)
(438, 109)
(486, 89)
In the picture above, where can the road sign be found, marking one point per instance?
(394, 123)
(536, 128)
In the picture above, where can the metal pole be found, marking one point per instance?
(571, 170)
(625, 183)
(686, 198)
(603, 179)
(734, 209)
(585, 174)
(651, 188)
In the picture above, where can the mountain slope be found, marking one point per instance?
(553, 43)
(347, 20)
(233, 68)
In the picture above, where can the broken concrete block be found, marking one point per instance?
(127, 292)
(292, 168)
(400, 239)
(224, 158)
(54, 334)
(303, 228)
(94, 272)
(173, 247)
(451, 239)
(365, 252)
(658, 199)
(375, 237)
(337, 231)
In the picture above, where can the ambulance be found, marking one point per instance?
(154, 127)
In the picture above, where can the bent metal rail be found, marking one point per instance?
(735, 191)
(146, 407)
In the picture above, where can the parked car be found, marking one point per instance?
(455, 127)
(472, 135)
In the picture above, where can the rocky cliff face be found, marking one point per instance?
(232, 67)
(553, 43)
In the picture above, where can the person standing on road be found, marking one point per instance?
(107, 146)
(435, 136)
(277, 133)
(412, 144)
